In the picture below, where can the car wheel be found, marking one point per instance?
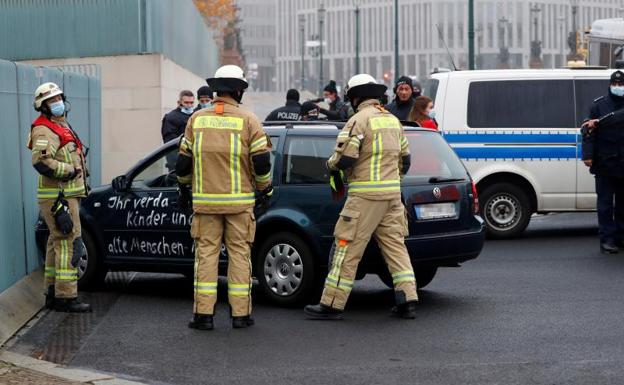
(506, 210)
(285, 269)
(424, 276)
(91, 272)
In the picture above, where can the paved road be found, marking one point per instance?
(544, 309)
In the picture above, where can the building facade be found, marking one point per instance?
(258, 28)
(424, 28)
(146, 52)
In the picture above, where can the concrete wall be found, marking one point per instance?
(18, 205)
(137, 90)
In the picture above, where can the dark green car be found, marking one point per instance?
(134, 224)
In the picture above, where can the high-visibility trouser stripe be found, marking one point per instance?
(240, 290)
(197, 157)
(257, 145)
(45, 193)
(50, 272)
(66, 275)
(339, 254)
(206, 288)
(235, 150)
(223, 199)
(185, 179)
(375, 167)
(373, 186)
(263, 178)
(339, 283)
(403, 276)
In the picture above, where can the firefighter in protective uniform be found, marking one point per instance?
(224, 156)
(372, 153)
(59, 158)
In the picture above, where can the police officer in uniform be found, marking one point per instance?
(603, 153)
(289, 112)
(373, 154)
(59, 158)
(224, 156)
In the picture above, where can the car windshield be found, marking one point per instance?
(432, 158)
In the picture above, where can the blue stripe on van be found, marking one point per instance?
(491, 152)
(547, 138)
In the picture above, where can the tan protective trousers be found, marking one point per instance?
(237, 232)
(59, 251)
(359, 220)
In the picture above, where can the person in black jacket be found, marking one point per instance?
(291, 111)
(603, 153)
(338, 110)
(174, 122)
(403, 98)
(204, 98)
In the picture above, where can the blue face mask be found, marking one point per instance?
(205, 105)
(57, 108)
(617, 90)
(432, 114)
(187, 110)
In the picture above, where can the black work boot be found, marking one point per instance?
(242, 322)
(49, 297)
(201, 322)
(322, 312)
(608, 248)
(71, 305)
(405, 310)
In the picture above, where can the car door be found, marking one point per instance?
(586, 90)
(143, 223)
(305, 178)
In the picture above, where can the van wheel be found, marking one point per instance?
(506, 209)
(91, 272)
(285, 269)
(424, 276)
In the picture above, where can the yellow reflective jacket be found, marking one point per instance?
(222, 140)
(56, 164)
(375, 138)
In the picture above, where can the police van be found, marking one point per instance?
(517, 132)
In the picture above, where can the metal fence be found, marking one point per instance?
(18, 179)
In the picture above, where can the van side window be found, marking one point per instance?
(586, 91)
(304, 159)
(521, 104)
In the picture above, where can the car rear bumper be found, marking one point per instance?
(446, 249)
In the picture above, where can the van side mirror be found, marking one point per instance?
(120, 183)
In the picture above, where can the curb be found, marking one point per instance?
(52, 369)
(19, 303)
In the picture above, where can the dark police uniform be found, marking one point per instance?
(291, 111)
(605, 147)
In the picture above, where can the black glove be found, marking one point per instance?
(80, 251)
(262, 200)
(60, 212)
(337, 185)
(185, 197)
(72, 175)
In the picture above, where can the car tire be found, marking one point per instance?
(424, 276)
(285, 269)
(506, 210)
(91, 272)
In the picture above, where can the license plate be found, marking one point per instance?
(435, 211)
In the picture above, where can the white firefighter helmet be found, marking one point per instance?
(45, 92)
(228, 78)
(364, 85)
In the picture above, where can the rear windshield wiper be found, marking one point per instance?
(439, 179)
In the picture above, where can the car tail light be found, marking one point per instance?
(475, 197)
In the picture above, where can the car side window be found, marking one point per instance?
(160, 173)
(305, 159)
(521, 104)
(586, 91)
